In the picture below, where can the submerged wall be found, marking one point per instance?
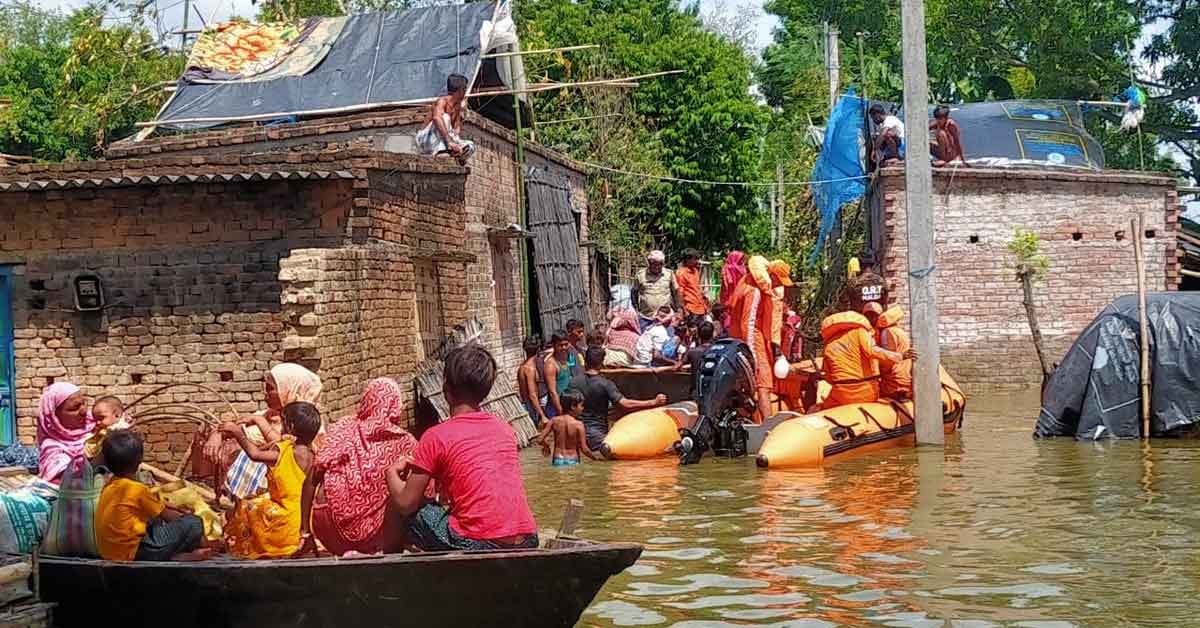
(1083, 221)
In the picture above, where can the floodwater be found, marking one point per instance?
(996, 530)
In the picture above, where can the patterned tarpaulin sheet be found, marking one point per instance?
(243, 48)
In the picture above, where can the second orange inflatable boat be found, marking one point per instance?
(808, 440)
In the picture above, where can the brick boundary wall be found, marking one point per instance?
(984, 333)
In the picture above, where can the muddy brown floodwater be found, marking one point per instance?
(996, 530)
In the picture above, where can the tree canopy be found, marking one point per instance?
(985, 49)
(74, 85)
(703, 124)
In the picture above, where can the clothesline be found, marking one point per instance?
(701, 182)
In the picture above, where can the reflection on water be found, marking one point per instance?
(996, 530)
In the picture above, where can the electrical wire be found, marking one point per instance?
(728, 183)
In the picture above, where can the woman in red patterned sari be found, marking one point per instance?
(348, 512)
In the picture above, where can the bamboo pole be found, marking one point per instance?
(1143, 323)
(617, 82)
(521, 53)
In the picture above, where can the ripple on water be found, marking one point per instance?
(638, 569)
(664, 540)
(1032, 590)
(625, 614)
(1053, 569)
(686, 553)
(693, 583)
(868, 595)
(888, 559)
(756, 539)
(819, 577)
(752, 599)
(792, 623)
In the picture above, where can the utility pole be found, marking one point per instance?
(777, 207)
(918, 180)
(183, 32)
(862, 64)
(833, 66)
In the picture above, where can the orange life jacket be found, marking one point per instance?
(848, 365)
(896, 380)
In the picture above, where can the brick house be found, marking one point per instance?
(223, 253)
(1083, 220)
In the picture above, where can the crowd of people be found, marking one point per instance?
(366, 485)
(670, 322)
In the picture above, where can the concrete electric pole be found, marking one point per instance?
(918, 179)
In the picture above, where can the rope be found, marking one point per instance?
(702, 182)
(922, 273)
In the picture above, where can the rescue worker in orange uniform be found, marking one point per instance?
(894, 381)
(851, 357)
(753, 321)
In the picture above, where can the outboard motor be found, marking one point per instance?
(724, 389)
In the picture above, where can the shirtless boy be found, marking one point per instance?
(570, 437)
(945, 138)
(442, 132)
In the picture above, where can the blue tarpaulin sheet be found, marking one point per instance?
(838, 176)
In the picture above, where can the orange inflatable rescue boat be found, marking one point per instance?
(794, 440)
(649, 433)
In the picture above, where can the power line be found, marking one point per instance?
(729, 183)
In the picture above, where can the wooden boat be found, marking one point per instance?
(795, 440)
(543, 587)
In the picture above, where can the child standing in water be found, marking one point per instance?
(570, 437)
(268, 526)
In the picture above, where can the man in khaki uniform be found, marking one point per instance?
(655, 287)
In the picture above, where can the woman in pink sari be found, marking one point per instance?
(349, 512)
(731, 273)
(64, 425)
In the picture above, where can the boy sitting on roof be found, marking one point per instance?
(442, 132)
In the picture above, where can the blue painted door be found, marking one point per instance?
(8, 421)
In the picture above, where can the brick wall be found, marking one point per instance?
(220, 260)
(191, 276)
(984, 333)
(495, 287)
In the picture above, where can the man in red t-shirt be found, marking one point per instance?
(473, 459)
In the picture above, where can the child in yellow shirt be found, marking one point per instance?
(132, 523)
(268, 526)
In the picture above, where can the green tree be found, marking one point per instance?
(983, 49)
(73, 84)
(703, 124)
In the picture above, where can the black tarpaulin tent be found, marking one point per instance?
(1095, 392)
(376, 60)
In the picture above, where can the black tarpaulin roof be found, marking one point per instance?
(1024, 133)
(1095, 392)
(378, 60)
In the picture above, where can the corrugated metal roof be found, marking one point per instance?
(171, 179)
